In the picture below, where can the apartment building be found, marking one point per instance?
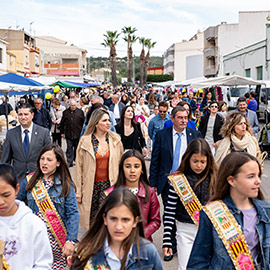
(251, 61)
(22, 49)
(179, 56)
(3, 53)
(60, 59)
(225, 38)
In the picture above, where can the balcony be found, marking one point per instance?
(210, 52)
(210, 33)
(210, 71)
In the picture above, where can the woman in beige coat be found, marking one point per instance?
(98, 155)
(237, 137)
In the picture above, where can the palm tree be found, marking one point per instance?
(129, 38)
(111, 39)
(149, 45)
(142, 56)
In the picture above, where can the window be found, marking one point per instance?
(247, 71)
(259, 71)
(1, 55)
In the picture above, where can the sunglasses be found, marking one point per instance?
(162, 111)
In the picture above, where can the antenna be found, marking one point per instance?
(30, 30)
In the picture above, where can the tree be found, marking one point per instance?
(111, 39)
(149, 46)
(130, 39)
(142, 55)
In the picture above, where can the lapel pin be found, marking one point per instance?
(35, 133)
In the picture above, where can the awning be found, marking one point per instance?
(66, 84)
(17, 79)
(233, 80)
(85, 85)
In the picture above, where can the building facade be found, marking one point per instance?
(175, 58)
(60, 59)
(224, 39)
(22, 48)
(251, 61)
(3, 56)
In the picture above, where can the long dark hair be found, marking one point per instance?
(122, 117)
(93, 240)
(62, 170)
(200, 146)
(121, 181)
(231, 166)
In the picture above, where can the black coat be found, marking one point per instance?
(217, 126)
(137, 137)
(72, 123)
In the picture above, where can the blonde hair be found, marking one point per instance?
(94, 119)
(231, 121)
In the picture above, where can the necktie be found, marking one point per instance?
(26, 142)
(176, 155)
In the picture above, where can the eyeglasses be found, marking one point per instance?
(162, 111)
(214, 106)
(37, 103)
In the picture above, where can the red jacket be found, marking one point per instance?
(150, 210)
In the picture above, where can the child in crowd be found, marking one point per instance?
(234, 230)
(24, 243)
(49, 192)
(115, 238)
(132, 174)
(191, 187)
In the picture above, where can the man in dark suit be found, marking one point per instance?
(41, 115)
(164, 149)
(23, 143)
(116, 107)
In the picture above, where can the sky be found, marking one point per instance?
(83, 22)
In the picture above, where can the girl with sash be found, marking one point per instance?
(49, 192)
(133, 175)
(24, 243)
(234, 229)
(191, 186)
(115, 239)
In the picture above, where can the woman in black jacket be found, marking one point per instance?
(130, 131)
(211, 124)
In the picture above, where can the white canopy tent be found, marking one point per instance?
(226, 81)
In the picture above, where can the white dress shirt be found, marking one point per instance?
(183, 143)
(30, 129)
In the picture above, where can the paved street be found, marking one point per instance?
(172, 265)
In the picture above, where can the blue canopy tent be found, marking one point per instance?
(11, 83)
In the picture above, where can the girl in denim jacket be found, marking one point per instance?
(114, 240)
(53, 170)
(238, 186)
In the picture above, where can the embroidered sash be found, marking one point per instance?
(187, 196)
(49, 212)
(3, 262)
(231, 234)
(89, 266)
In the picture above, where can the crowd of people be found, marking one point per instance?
(205, 162)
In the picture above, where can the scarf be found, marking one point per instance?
(247, 142)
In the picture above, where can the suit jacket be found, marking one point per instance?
(13, 152)
(46, 118)
(120, 104)
(162, 155)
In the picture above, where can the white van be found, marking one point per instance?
(264, 101)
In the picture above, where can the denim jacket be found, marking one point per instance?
(149, 258)
(66, 207)
(208, 251)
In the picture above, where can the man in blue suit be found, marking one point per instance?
(163, 154)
